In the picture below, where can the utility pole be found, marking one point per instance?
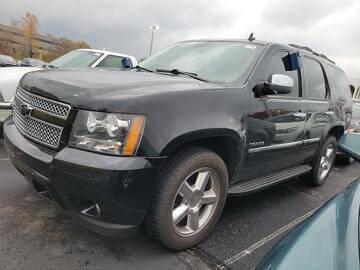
(153, 29)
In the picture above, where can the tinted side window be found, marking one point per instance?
(315, 80)
(111, 61)
(339, 82)
(277, 66)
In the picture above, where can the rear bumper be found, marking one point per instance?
(76, 179)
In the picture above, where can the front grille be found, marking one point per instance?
(41, 131)
(52, 107)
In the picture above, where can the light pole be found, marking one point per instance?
(153, 29)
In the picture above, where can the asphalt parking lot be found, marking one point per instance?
(36, 235)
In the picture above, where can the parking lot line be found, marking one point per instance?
(309, 193)
(3, 159)
(268, 238)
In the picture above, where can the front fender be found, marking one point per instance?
(204, 134)
(179, 117)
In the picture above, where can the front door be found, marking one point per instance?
(276, 125)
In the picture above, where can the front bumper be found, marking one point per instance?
(76, 179)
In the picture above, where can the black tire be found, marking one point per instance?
(159, 223)
(314, 176)
(345, 159)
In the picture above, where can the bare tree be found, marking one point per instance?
(29, 25)
(15, 22)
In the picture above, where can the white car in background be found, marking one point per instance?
(81, 58)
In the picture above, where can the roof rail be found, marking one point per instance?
(311, 51)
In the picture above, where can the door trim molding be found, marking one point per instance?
(283, 145)
(310, 141)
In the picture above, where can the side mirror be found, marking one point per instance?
(127, 63)
(350, 144)
(279, 84)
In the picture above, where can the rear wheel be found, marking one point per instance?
(324, 162)
(349, 160)
(190, 196)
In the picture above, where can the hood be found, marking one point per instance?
(10, 77)
(81, 88)
(328, 240)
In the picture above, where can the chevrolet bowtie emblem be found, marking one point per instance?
(26, 109)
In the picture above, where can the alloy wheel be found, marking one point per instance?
(195, 202)
(327, 161)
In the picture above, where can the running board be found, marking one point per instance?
(255, 184)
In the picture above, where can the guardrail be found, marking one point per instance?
(5, 106)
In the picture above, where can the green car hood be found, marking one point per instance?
(328, 240)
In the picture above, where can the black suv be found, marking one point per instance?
(164, 144)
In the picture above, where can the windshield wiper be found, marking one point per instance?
(179, 72)
(141, 68)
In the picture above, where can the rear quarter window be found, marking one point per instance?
(338, 81)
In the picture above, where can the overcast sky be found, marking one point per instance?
(331, 27)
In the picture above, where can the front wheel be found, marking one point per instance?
(324, 162)
(189, 199)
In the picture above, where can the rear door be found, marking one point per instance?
(276, 123)
(320, 111)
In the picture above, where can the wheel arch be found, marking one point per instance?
(337, 131)
(225, 142)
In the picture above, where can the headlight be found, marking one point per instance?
(110, 133)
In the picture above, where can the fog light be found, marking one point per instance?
(92, 211)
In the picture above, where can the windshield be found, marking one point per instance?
(77, 58)
(214, 61)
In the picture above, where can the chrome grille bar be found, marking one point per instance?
(38, 130)
(52, 107)
(34, 128)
